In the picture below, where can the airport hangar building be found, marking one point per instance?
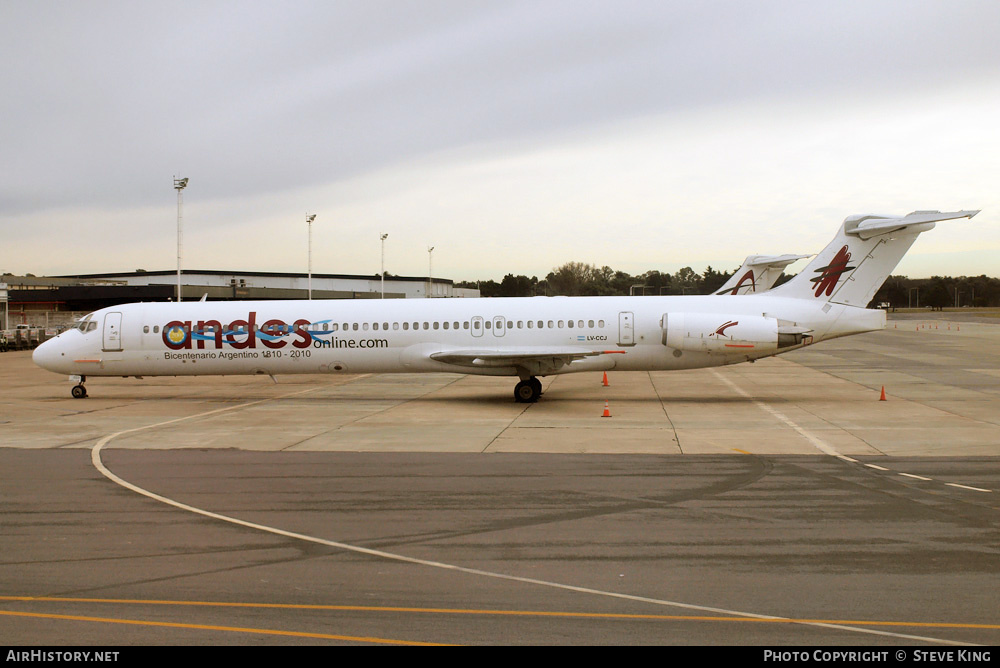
(57, 301)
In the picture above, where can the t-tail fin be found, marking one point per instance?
(758, 274)
(865, 251)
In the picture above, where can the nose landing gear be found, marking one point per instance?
(79, 391)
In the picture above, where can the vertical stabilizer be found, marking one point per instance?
(758, 274)
(852, 268)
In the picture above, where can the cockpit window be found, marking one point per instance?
(87, 324)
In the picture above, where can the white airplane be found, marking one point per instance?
(758, 274)
(524, 337)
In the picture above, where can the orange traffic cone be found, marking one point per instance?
(605, 382)
(607, 411)
(882, 398)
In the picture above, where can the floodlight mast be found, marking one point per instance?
(309, 220)
(430, 271)
(179, 185)
(385, 235)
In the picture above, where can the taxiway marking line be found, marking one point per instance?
(820, 444)
(95, 456)
(974, 489)
(486, 612)
(210, 627)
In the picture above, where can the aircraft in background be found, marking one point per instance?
(758, 274)
(526, 337)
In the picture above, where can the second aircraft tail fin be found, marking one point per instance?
(758, 274)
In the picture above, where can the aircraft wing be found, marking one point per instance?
(536, 361)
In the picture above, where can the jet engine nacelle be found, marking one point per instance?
(720, 334)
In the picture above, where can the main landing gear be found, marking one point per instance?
(79, 391)
(528, 391)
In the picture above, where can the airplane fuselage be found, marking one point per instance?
(385, 336)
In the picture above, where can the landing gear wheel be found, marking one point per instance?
(527, 391)
(79, 392)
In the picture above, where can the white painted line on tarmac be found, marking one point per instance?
(816, 441)
(819, 443)
(974, 489)
(95, 457)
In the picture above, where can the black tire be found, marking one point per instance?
(79, 392)
(527, 392)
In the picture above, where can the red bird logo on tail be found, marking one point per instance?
(831, 273)
(746, 277)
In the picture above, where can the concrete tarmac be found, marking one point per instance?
(771, 503)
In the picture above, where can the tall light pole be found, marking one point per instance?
(179, 185)
(309, 220)
(430, 270)
(384, 236)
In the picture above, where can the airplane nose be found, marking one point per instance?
(47, 355)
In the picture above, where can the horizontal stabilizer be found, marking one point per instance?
(775, 261)
(868, 226)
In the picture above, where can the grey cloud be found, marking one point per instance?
(105, 101)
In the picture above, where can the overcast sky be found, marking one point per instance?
(511, 136)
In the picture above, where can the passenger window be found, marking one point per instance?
(145, 329)
(406, 326)
(355, 326)
(385, 326)
(570, 324)
(426, 326)
(375, 326)
(156, 329)
(487, 324)
(395, 326)
(446, 323)
(465, 325)
(475, 325)
(551, 324)
(600, 323)
(530, 323)
(435, 325)
(590, 323)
